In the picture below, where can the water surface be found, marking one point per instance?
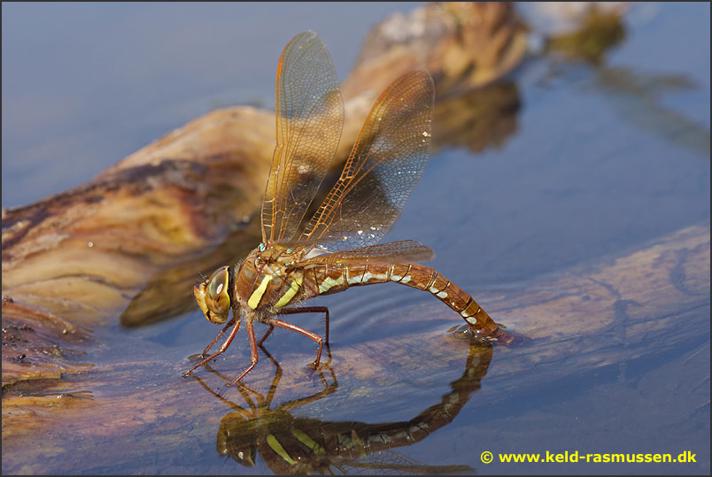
(603, 160)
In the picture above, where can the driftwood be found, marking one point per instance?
(130, 244)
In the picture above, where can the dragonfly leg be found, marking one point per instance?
(309, 334)
(222, 349)
(275, 379)
(310, 309)
(217, 337)
(253, 351)
(266, 335)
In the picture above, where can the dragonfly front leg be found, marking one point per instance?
(219, 335)
(222, 349)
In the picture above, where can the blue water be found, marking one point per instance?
(597, 167)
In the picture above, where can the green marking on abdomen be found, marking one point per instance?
(328, 283)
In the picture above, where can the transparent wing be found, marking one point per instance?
(393, 252)
(309, 112)
(385, 163)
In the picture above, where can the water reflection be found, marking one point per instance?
(636, 95)
(479, 119)
(598, 31)
(301, 445)
(170, 291)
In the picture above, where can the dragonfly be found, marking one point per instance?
(292, 444)
(308, 250)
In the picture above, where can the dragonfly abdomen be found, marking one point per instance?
(331, 279)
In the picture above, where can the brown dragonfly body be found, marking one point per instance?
(308, 252)
(284, 285)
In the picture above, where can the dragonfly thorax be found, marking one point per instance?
(267, 277)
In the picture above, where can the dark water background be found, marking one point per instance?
(602, 162)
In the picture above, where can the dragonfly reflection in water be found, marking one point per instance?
(302, 445)
(309, 251)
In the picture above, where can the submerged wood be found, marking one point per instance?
(130, 244)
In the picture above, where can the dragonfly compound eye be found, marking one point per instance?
(213, 296)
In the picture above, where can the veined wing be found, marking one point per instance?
(385, 163)
(402, 251)
(309, 115)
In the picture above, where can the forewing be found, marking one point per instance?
(385, 163)
(403, 251)
(309, 115)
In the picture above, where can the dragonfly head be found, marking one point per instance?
(239, 433)
(213, 295)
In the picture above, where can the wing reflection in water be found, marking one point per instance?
(479, 119)
(301, 445)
